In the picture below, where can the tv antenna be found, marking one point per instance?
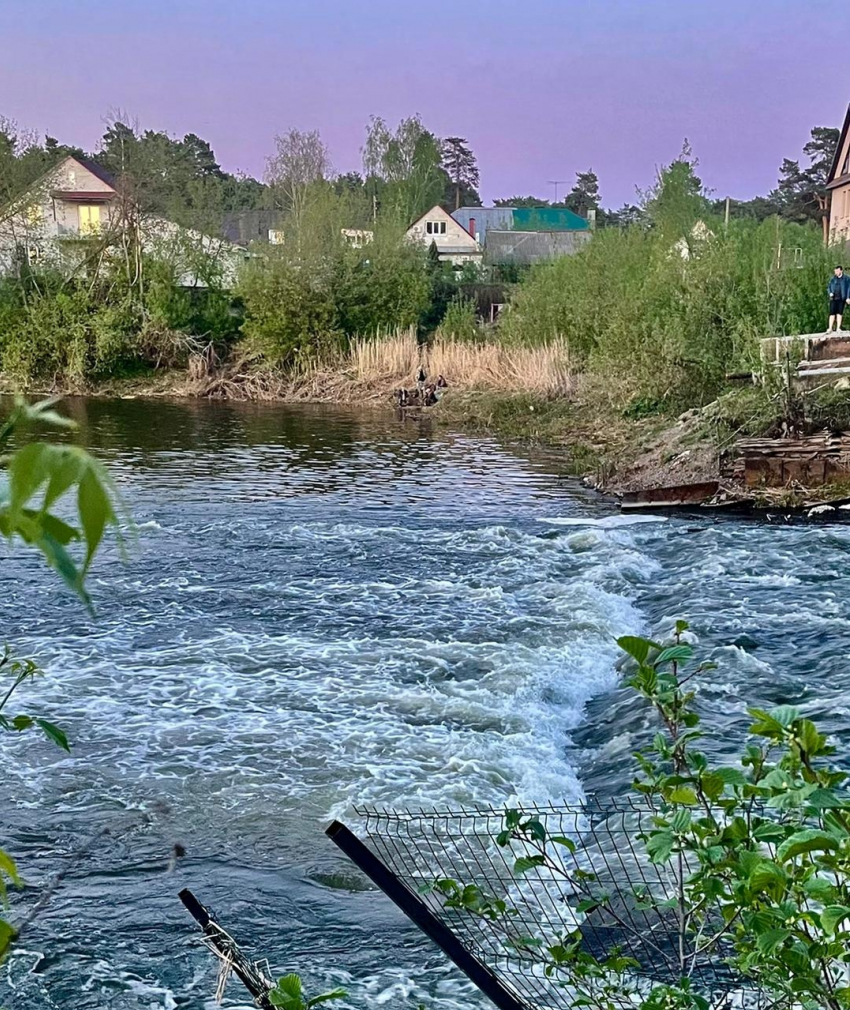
(556, 183)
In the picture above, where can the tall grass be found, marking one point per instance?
(544, 369)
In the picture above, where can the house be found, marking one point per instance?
(838, 185)
(77, 203)
(453, 242)
(74, 201)
(478, 220)
(522, 248)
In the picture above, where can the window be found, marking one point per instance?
(35, 254)
(35, 215)
(435, 227)
(275, 236)
(89, 219)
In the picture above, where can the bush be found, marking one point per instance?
(298, 307)
(460, 321)
(631, 304)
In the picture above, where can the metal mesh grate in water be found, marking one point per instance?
(640, 920)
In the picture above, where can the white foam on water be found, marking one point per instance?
(606, 523)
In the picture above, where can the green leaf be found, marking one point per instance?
(682, 794)
(334, 994)
(526, 863)
(568, 843)
(674, 654)
(730, 776)
(637, 648)
(768, 942)
(287, 993)
(807, 840)
(831, 916)
(768, 876)
(8, 868)
(54, 734)
(7, 936)
(95, 511)
(659, 846)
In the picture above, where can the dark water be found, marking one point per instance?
(326, 609)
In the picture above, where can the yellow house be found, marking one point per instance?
(838, 184)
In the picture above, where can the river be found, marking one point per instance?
(326, 608)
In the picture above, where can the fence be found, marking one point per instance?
(642, 915)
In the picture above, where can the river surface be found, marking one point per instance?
(326, 609)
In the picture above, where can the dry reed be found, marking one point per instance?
(372, 368)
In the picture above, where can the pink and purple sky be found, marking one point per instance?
(541, 88)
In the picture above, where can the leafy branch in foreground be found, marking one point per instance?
(751, 865)
(38, 476)
(288, 994)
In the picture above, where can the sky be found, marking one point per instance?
(541, 89)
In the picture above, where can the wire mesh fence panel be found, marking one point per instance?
(524, 904)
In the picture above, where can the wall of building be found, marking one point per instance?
(839, 213)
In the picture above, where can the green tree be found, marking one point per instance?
(584, 196)
(407, 162)
(678, 199)
(522, 201)
(296, 172)
(801, 193)
(461, 166)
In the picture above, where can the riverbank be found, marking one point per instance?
(524, 396)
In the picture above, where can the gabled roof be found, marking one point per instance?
(833, 172)
(103, 174)
(436, 209)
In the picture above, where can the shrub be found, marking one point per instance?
(675, 318)
(460, 321)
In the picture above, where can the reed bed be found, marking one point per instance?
(371, 369)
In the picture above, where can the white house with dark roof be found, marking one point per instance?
(76, 203)
(453, 242)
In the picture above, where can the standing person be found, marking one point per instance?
(839, 295)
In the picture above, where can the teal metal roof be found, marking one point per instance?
(548, 219)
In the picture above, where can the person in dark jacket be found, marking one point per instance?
(839, 295)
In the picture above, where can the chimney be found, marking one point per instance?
(472, 227)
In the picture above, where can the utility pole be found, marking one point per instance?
(556, 183)
(726, 216)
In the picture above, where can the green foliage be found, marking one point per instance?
(288, 993)
(461, 320)
(40, 476)
(757, 853)
(297, 308)
(669, 321)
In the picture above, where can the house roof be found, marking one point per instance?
(99, 171)
(524, 247)
(833, 171)
(842, 137)
(436, 209)
(520, 218)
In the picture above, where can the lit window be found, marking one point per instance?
(35, 215)
(89, 219)
(275, 236)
